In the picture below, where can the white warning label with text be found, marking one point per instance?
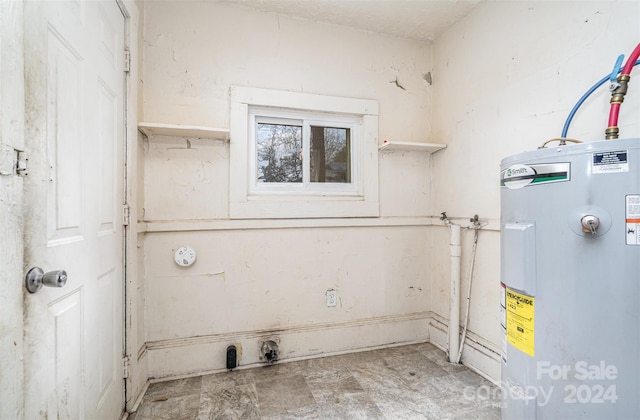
(633, 219)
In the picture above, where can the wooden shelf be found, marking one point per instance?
(158, 129)
(411, 146)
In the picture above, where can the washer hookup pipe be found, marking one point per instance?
(617, 96)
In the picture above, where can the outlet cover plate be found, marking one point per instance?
(332, 298)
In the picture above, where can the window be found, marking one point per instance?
(302, 155)
(281, 152)
(278, 152)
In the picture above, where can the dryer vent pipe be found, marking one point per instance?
(269, 351)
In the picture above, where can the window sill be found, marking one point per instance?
(177, 130)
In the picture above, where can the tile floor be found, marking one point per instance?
(407, 382)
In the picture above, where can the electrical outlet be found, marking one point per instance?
(332, 298)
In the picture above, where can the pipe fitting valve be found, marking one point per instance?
(590, 224)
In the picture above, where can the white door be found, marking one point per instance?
(74, 94)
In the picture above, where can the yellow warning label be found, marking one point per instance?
(520, 331)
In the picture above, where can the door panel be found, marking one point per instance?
(74, 195)
(64, 103)
(66, 316)
(107, 108)
(109, 364)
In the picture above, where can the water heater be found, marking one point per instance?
(570, 282)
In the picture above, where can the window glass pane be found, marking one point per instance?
(330, 154)
(279, 152)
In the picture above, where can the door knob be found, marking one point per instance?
(36, 278)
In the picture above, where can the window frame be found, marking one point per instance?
(248, 200)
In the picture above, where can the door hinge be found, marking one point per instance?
(126, 215)
(126, 367)
(21, 164)
(127, 61)
(12, 161)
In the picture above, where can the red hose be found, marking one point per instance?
(614, 112)
(631, 61)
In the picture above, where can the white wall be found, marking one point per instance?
(505, 79)
(256, 279)
(194, 51)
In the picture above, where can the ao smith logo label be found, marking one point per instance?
(511, 172)
(520, 299)
(518, 176)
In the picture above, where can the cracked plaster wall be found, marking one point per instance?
(269, 280)
(518, 68)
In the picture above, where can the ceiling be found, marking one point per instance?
(422, 20)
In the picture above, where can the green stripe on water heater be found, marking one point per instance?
(550, 178)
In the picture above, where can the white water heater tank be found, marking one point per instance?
(570, 281)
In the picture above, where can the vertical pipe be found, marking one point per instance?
(454, 301)
(465, 324)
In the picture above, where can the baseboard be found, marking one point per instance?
(138, 400)
(478, 354)
(184, 357)
(207, 354)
